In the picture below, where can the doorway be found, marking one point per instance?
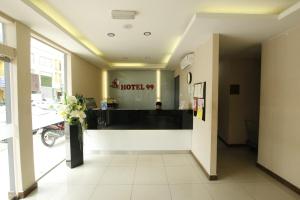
(238, 113)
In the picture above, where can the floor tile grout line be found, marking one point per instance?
(133, 180)
(99, 181)
(166, 173)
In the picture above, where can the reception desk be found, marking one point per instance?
(118, 119)
(138, 130)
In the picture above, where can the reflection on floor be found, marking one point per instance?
(161, 177)
(46, 158)
(4, 172)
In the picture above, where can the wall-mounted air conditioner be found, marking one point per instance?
(187, 60)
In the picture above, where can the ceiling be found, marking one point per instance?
(175, 28)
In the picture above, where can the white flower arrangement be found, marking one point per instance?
(73, 110)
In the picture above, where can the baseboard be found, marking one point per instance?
(210, 177)
(231, 145)
(279, 178)
(22, 195)
(12, 196)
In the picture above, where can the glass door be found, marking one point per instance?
(47, 90)
(7, 180)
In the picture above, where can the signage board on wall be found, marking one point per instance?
(134, 86)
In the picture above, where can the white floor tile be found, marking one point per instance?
(112, 192)
(161, 177)
(118, 175)
(228, 191)
(263, 191)
(74, 192)
(150, 175)
(148, 160)
(176, 159)
(189, 192)
(183, 174)
(151, 192)
(124, 159)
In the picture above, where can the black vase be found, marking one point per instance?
(74, 145)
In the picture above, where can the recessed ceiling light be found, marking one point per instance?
(111, 34)
(147, 33)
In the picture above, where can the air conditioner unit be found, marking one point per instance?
(187, 61)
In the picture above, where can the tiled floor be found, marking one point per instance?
(161, 177)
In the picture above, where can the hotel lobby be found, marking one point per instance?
(144, 100)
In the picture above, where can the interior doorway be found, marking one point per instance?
(238, 113)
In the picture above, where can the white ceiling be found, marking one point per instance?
(239, 34)
(166, 19)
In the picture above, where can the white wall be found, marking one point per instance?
(205, 68)
(279, 134)
(137, 140)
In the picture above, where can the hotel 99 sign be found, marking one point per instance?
(134, 86)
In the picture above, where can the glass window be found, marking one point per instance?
(4, 93)
(47, 72)
(1, 33)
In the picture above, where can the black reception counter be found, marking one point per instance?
(139, 119)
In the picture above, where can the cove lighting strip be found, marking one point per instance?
(42, 7)
(104, 85)
(128, 64)
(137, 65)
(172, 50)
(158, 86)
(240, 10)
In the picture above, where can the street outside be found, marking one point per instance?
(45, 158)
(4, 174)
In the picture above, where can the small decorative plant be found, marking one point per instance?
(73, 110)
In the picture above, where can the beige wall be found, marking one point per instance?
(86, 78)
(235, 109)
(205, 68)
(279, 136)
(21, 109)
(185, 90)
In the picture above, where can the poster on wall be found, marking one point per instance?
(200, 108)
(195, 107)
(200, 100)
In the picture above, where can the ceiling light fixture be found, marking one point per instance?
(123, 14)
(111, 34)
(50, 13)
(147, 33)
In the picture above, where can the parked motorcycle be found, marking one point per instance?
(51, 133)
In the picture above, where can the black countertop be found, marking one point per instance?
(119, 119)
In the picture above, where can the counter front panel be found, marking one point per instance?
(140, 119)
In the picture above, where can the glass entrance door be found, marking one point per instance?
(47, 90)
(7, 180)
